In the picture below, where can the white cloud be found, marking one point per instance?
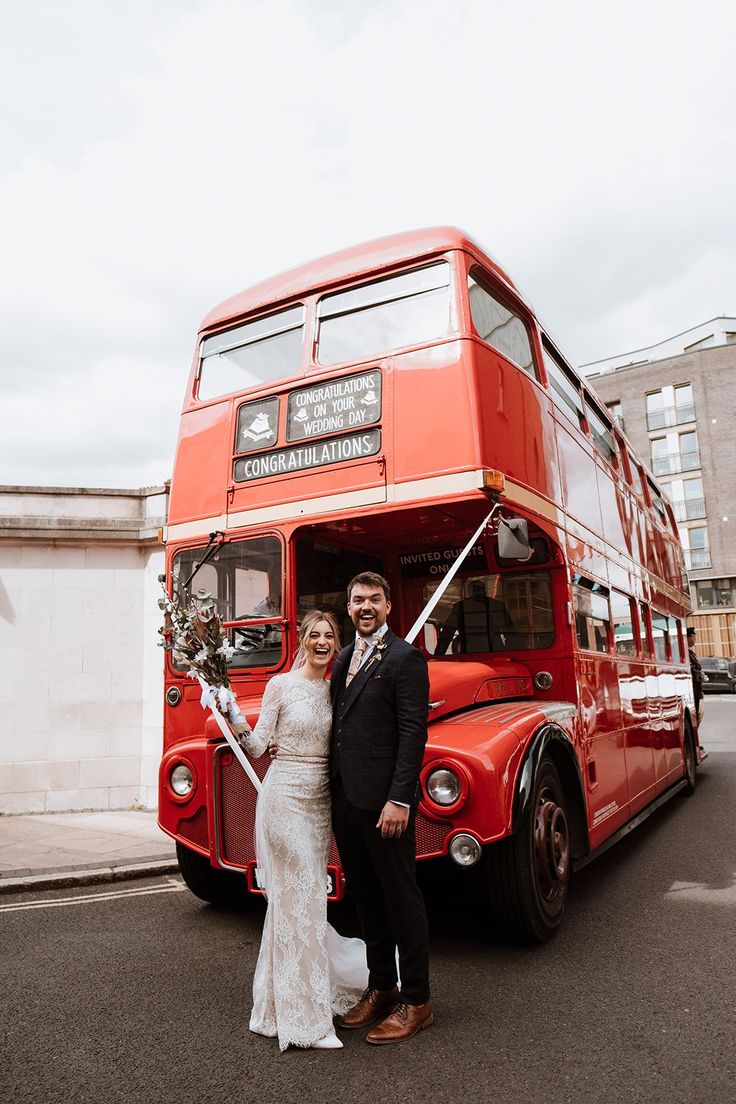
(167, 155)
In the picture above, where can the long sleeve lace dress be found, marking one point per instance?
(305, 972)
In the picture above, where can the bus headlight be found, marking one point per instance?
(443, 786)
(181, 780)
(464, 849)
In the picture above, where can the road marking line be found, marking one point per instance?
(115, 895)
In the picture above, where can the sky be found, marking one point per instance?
(158, 156)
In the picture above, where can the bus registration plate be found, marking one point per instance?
(333, 883)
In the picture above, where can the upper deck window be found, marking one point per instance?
(637, 479)
(564, 389)
(656, 498)
(498, 326)
(600, 431)
(384, 315)
(255, 353)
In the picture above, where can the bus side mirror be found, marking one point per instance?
(513, 539)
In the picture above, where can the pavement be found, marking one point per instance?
(44, 850)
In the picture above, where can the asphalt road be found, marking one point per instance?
(139, 992)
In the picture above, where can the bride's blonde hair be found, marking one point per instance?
(310, 619)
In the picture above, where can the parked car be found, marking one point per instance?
(721, 674)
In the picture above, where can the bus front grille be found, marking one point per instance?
(235, 810)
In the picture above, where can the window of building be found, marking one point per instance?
(600, 431)
(712, 593)
(255, 353)
(660, 455)
(387, 314)
(689, 455)
(615, 409)
(498, 326)
(592, 616)
(622, 622)
(564, 389)
(655, 410)
(684, 406)
(696, 544)
(645, 646)
(688, 499)
(660, 636)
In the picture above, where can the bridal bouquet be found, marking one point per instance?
(198, 643)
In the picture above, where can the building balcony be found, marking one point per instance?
(696, 558)
(670, 416)
(689, 509)
(673, 462)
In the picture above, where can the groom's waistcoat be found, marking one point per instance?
(379, 724)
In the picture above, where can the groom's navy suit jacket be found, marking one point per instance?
(379, 724)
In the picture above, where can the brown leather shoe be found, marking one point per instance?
(369, 1008)
(402, 1023)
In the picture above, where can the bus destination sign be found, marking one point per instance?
(438, 561)
(331, 407)
(335, 450)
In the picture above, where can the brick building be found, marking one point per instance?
(676, 401)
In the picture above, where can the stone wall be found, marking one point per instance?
(80, 672)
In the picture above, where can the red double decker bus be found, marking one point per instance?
(367, 412)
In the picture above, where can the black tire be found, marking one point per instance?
(529, 872)
(733, 687)
(691, 760)
(218, 887)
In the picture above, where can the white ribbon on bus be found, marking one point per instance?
(223, 697)
(222, 700)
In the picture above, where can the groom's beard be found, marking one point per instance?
(368, 628)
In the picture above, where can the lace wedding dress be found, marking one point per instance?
(306, 971)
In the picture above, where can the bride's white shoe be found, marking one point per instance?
(330, 1042)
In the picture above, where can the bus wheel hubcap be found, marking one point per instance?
(551, 846)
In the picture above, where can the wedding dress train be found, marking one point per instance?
(306, 972)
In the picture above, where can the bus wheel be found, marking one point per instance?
(691, 760)
(218, 887)
(530, 870)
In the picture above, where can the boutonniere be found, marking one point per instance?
(378, 650)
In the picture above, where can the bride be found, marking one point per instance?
(305, 972)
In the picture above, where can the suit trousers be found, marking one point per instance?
(381, 878)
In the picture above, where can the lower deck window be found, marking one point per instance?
(592, 616)
(245, 580)
(491, 613)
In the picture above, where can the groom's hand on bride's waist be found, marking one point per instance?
(393, 820)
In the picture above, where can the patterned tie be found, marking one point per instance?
(358, 652)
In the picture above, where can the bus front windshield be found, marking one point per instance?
(245, 578)
(491, 613)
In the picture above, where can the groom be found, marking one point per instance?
(380, 698)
